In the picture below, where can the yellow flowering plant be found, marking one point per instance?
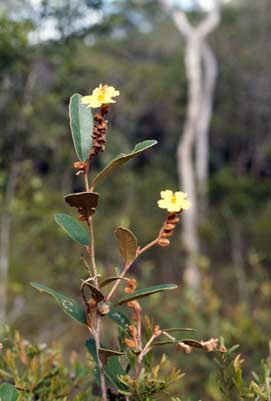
(122, 373)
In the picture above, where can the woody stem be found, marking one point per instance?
(96, 332)
(127, 266)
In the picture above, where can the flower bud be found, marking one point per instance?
(133, 330)
(156, 330)
(130, 343)
(103, 308)
(184, 348)
(210, 345)
(169, 226)
(163, 242)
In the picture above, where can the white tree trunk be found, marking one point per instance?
(209, 66)
(185, 160)
(201, 73)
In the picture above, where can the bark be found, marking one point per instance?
(203, 125)
(185, 161)
(201, 73)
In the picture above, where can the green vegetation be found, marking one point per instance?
(37, 79)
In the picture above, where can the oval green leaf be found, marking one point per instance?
(8, 392)
(146, 292)
(127, 244)
(81, 123)
(74, 229)
(123, 158)
(119, 318)
(70, 306)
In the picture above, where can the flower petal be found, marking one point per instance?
(167, 194)
(163, 204)
(185, 204)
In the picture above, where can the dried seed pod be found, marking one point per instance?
(167, 233)
(163, 242)
(173, 219)
(169, 226)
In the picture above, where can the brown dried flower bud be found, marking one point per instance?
(169, 226)
(173, 220)
(163, 242)
(134, 305)
(130, 343)
(184, 348)
(166, 233)
(133, 330)
(80, 165)
(103, 308)
(156, 330)
(222, 348)
(132, 283)
(210, 345)
(92, 304)
(83, 217)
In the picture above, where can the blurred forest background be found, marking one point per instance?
(52, 49)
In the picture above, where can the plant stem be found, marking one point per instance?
(127, 266)
(97, 331)
(86, 182)
(92, 251)
(100, 363)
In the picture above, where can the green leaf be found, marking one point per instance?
(81, 122)
(127, 244)
(8, 392)
(166, 342)
(146, 292)
(123, 158)
(112, 369)
(119, 318)
(192, 343)
(105, 354)
(74, 229)
(91, 347)
(178, 329)
(70, 306)
(110, 280)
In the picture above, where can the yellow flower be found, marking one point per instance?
(101, 95)
(173, 201)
